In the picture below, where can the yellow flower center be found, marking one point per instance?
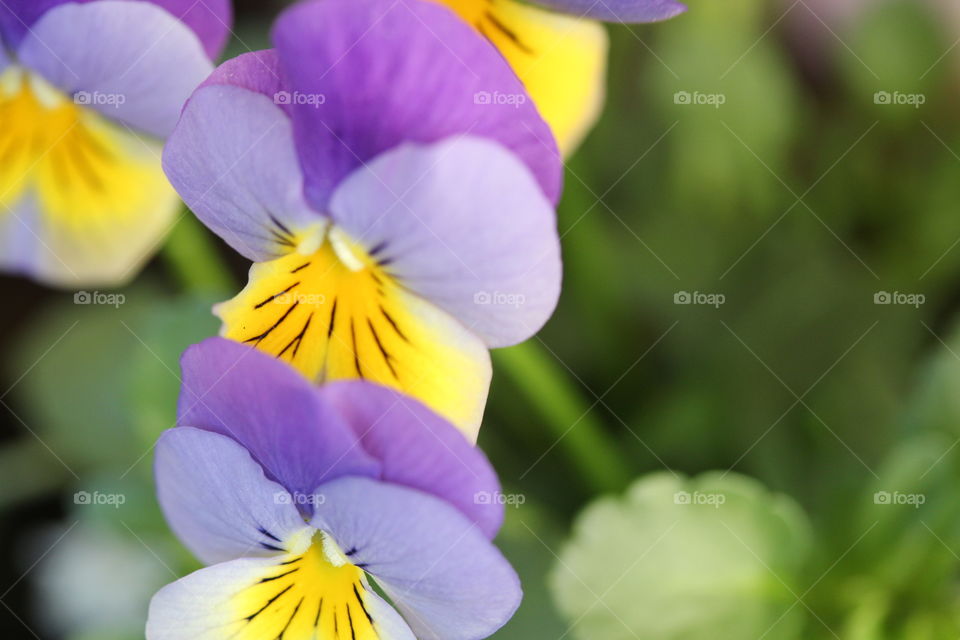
(335, 312)
(317, 594)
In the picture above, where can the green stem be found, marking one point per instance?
(193, 257)
(567, 415)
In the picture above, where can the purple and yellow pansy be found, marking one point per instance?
(88, 91)
(400, 226)
(393, 180)
(302, 498)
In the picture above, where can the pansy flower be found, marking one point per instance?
(88, 90)
(559, 51)
(302, 498)
(399, 228)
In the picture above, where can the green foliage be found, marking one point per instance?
(754, 112)
(96, 377)
(76, 365)
(910, 29)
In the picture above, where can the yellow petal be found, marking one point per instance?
(337, 314)
(92, 193)
(560, 59)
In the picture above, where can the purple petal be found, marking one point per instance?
(419, 449)
(618, 10)
(209, 19)
(303, 435)
(16, 17)
(143, 63)
(257, 71)
(463, 224)
(273, 411)
(218, 501)
(233, 161)
(22, 249)
(447, 579)
(394, 72)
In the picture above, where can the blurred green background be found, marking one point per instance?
(742, 423)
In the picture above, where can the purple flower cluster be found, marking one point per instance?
(394, 186)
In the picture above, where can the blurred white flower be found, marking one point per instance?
(93, 582)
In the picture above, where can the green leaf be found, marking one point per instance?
(89, 377)
(934, 404)
(72, 369)
(907, 80)
(95, 384)
(728, 93)
(714, 557)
